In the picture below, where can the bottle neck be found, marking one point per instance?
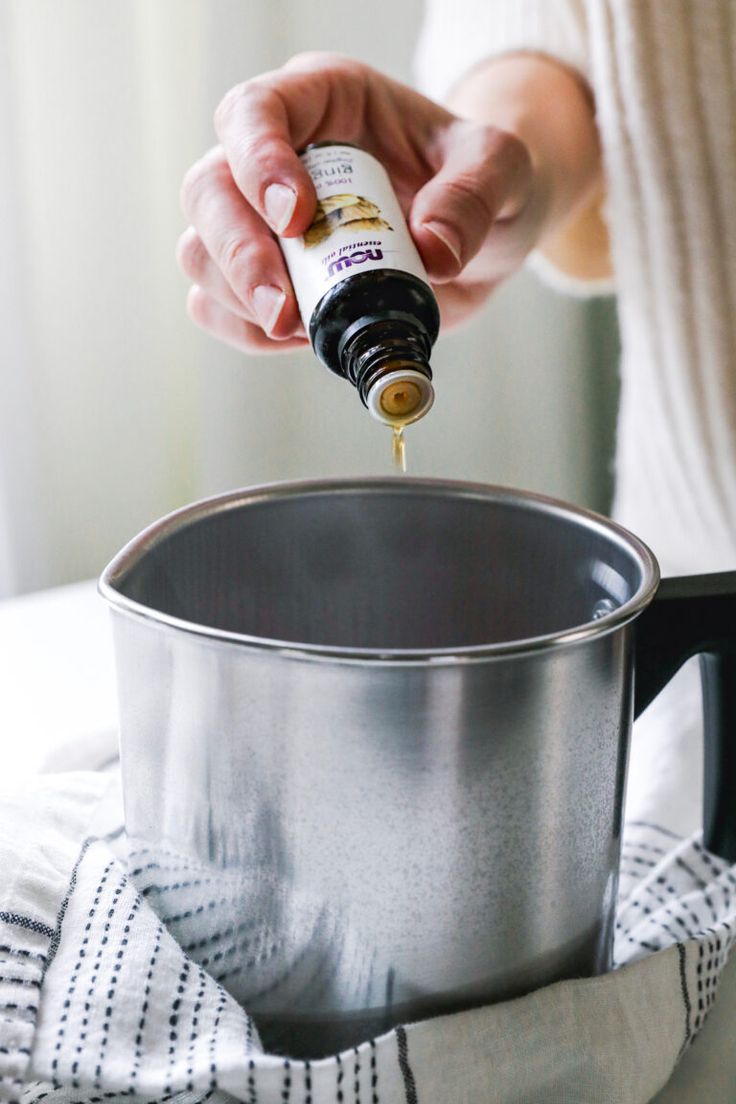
(370, 349)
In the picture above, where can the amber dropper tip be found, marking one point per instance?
(400, 399)
(400, 396)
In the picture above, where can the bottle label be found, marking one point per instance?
(358, 226)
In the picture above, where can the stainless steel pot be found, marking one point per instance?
(374, 739)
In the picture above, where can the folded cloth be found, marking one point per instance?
(98, 1001)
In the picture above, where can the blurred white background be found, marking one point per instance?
(114, 408)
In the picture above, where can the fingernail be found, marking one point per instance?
(268, 302)
(447, 236)
(279, 201)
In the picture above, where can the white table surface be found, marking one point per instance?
(57, 678)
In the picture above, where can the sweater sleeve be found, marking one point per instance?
(458, 35)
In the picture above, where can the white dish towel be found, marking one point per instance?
(98, 1002)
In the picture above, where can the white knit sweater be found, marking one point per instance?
(663, 73)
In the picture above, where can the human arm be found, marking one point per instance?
(549, 107)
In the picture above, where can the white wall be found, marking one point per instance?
(116, 409)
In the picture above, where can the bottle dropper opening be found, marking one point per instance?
(400, 396)
(387, 358)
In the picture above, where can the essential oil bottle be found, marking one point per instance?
(361, 286)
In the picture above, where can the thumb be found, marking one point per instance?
(485, 175)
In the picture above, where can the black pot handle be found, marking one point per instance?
(696, 615)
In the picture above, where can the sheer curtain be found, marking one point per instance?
(113, 408)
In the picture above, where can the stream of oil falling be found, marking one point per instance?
(398, 448)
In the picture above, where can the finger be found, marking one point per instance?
(196, 263)
(217, 320)
(262, 121)
(485, 175)
(240, 244)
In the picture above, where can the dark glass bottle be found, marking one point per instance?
(366, 304)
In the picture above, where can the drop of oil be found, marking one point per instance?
(398, 448)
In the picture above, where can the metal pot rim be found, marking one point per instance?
(159, 530)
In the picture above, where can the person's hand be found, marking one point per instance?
(475, 201)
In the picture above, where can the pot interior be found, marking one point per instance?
(395, 565)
